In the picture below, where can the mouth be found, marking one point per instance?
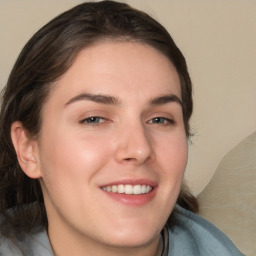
(131, 192)
(128, 189)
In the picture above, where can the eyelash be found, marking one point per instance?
(91, 120)
(97, 120)
(160, 120)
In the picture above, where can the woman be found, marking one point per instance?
(94, 129)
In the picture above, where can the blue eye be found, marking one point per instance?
(93, 120)
(161, 120)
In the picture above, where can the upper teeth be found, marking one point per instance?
(128, 189)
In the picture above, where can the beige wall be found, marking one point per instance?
(218, 39)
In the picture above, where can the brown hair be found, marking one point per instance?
(48, 55)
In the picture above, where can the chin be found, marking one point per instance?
(134, 235)
(132, 241)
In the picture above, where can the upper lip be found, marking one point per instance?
(131, 182)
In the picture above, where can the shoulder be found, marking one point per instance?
(192, 234)
(33, 245)
(7, 247)
(20, 244)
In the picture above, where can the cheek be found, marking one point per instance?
(69, 167)
(73, 159)
(179, 151)
(173, 154)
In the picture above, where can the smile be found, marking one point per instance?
(128, 189)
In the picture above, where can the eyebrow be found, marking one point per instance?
(110, 100)
(98, 98)
(166, 99)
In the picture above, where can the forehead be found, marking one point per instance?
(114, 67)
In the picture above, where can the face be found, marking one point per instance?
(112, 148)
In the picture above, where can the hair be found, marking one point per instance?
(44, 59)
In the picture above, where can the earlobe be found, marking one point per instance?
(26, 150)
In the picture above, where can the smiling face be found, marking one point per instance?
(112, 149)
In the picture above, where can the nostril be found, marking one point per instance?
(129, 159)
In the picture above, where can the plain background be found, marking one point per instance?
(218, 39)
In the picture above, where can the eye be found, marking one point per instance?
(161, 120)
(93, 120)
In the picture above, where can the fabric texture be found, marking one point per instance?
(190, 235)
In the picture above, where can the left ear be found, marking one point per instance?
(26, 149)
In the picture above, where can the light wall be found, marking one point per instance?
(218, 39)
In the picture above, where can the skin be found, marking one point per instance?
(74, 157)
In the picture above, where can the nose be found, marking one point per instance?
(134, 145)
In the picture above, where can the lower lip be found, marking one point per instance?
(133, 200)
